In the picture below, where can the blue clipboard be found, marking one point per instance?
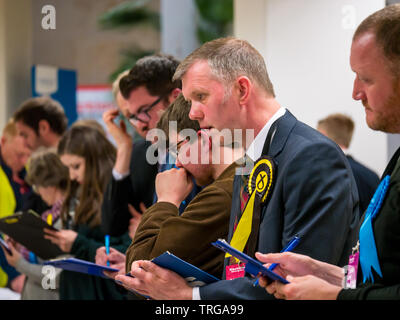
(194, 276)
(253, 266)
(82, 266)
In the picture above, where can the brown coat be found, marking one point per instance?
(189, 235)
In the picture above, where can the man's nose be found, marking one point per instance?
(195, 112)
(358, 92)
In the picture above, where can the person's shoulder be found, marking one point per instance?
(361, 169)
(304, 139)
(225, 179)
(223, 185)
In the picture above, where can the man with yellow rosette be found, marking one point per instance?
(301, 183)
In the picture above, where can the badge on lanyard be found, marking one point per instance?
(235, 271)
(351, 269)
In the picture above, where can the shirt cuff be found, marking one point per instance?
(196, 293)
(119, 176)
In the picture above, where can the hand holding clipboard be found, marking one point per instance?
(253, 266)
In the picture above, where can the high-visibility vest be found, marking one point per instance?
(3, 278)
(8, 204)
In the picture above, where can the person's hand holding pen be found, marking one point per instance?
(289, 247)
(115, 258)
(107, 245)
(309, 278)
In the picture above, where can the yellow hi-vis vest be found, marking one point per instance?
(8, 204)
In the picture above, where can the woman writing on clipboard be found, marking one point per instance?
(50, 179)
(90, 158)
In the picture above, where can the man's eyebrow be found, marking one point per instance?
(143, 106)
(199, 91)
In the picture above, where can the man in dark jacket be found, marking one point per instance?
(339, 128)
(372, 272)
(314, 194)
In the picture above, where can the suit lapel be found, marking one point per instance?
(285, 125)
(392, 163)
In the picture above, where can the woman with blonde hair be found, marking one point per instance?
(50, 179)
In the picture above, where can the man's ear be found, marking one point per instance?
(243, 87)
(44, 127)
(173, 95)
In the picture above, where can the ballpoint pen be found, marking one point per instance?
(107, 243)
(290, 246)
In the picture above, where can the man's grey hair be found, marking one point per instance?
(229, 58)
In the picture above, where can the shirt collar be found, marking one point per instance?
(255, 150)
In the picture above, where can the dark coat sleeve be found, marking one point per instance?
(371, 292)
(187, 236)
(89, 240)
(315, 197)
(387, 239)
(136, 188)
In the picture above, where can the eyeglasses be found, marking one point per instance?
(35, 188)
(174, 149)
(143, 115)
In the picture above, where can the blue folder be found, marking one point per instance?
(194, 276)
(253, 266)
(82, 266)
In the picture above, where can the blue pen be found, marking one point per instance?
(290, 246)
(107, 242)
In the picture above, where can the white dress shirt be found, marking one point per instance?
(254, 152)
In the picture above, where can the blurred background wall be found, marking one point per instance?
(306, 45)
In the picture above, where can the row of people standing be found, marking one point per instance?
(304, 198)
(95, 167)
(315, 195)
(71, 184)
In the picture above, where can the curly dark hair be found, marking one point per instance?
(155, 73)
(33, 110)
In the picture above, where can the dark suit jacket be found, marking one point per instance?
(135, 188)
(315, 196)
(367, 181)
(386, 226)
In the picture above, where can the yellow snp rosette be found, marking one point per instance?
(260, 185)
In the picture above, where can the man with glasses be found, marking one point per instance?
(313, 196)
(146, 91)
(198, 156)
